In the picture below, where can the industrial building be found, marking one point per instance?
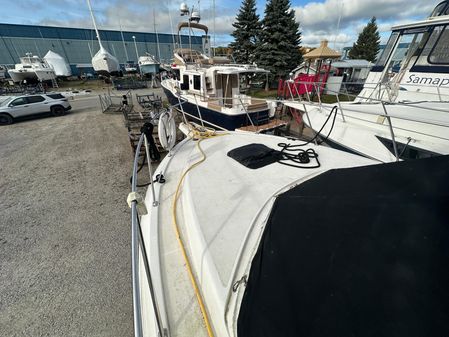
(78, 45)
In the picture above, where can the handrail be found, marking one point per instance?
(411, 104)
(137, 245)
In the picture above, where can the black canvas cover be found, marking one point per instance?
(254, 156)
(359, 252)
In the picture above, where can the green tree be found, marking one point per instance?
(367, 45)
(247, 27)
(278, 50)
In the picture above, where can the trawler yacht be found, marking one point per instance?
(32, 69)
(213, 88)
(401, 113)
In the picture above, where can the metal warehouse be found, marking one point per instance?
(78, 45)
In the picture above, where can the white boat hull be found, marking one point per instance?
(37, 75)
(105, 64)
(363, 125)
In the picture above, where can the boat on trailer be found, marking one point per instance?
(214, 89)
(244, 234)
(401, 113)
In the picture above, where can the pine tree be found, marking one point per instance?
(246, 34)
(367, 45)
(278, 51)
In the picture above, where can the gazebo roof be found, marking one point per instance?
(322, 52)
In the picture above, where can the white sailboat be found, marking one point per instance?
(103, 62)
(58, 63)
(401, 113)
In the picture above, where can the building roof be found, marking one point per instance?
(352, 64)
(322, 52)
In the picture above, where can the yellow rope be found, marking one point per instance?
(201, 134)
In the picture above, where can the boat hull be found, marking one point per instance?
(32, 76)
(149, 69)
(228, 122)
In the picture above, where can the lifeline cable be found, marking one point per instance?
(334, 113)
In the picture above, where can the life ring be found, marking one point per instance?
(167, 130)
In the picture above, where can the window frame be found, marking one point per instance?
(445, 27)
(16, 99)
(30, 102)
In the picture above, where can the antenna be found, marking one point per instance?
(95, 24)
(338, 24)
(171, 27)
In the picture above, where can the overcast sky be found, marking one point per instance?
(339, 21)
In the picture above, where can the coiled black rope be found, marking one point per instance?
(291, 156)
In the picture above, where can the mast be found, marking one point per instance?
(95, 24)
(123, 40)
(157, 38)
(213, 5)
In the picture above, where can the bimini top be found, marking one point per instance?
(355, 252)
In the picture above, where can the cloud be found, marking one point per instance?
(342, 20)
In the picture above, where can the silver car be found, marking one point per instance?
(20, 106)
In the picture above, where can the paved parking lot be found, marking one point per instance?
(64, 225)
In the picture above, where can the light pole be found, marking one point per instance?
(135, 46)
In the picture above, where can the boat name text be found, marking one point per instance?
(437, 81)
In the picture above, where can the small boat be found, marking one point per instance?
(148, 65)
(131, 67)
(401, 113)
(244, 234)
(32, 69)
(103, 62)
(58, 63)
(214, 89)
(2, 72)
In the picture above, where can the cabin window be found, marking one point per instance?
(409, 47)
(433, 43)
(196, 82)
(382, 61)
(185, 82)
(440, 52)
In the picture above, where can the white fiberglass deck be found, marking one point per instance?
(423, 125)
(222, 205)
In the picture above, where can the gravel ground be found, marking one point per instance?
(65, 226)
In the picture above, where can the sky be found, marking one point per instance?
(339, 21)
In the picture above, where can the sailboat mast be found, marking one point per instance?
(157, 38)
(95, 24)
(123, 40)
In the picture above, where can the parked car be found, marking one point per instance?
(25, 105)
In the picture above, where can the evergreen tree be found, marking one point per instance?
(247, 27)
(367, 45)
(278, 51)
